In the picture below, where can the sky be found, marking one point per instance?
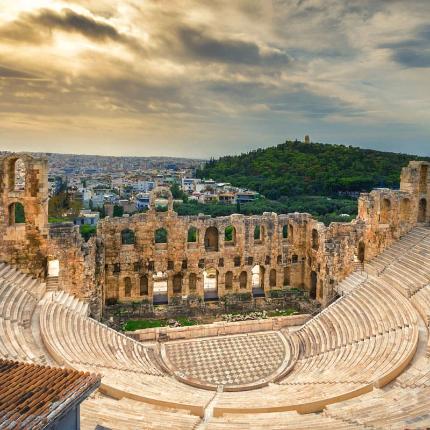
(203, 78)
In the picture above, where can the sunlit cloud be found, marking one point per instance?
(204, 78)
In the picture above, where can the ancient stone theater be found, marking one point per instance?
(362, 362)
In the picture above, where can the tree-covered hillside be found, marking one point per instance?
(296, 168)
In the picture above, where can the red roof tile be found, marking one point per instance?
(32, 395)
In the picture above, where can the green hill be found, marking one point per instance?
(296, 169)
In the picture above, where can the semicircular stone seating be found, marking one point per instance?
(360, 363)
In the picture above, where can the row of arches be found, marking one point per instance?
(385, 213)
(210, 282)
(211, 239)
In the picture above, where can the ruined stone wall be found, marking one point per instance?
(24, 244)
(123, 261)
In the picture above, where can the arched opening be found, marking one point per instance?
(422, 210)
(192, 235)
(127, 237)
(17, 175)
(144, 285)
(210, 284)
(160, 235)
(294, 259)
(229, 280)
(313, 290)
(361, 251)
(290, 232)
(405, 210)
(211, 239)
(243, 280)
(16, 213)
(177, 283)
(257, 281)
(423, 178)
(230, 235)
(192, 282)
(272, 278)
(385, 211)
(315, 239)
(287, 275)
(259, 233)
(127, 287)
(160, 288)
(285, 232)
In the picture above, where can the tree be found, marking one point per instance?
(118, 211)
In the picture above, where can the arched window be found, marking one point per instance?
(192, 282)
(385, 211)
(313, 290)
(257, 232)
(16, 213)
(272, 278)
(315, 239)
(294, 259)
(17, 174)
(422, 210)
(230, 235)
(361, 251)
(192, 235)
(405, 209)
(229, 280)
(285, 231)
(177, 283)
(144, 285)
(127, 237)
(127, 287)
(243, 279)
(211, 239)
(160, 235)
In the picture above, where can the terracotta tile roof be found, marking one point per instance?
(31, 396)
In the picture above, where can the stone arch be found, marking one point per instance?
(160, 235)
(160, 295)
(243, 280)
(128, 286)
(177, 283)
(287, 275)
(230, 235)
(294, 258)
(405, 209)
(158, 194)
(210, 283)
(314, 282)
(257, 276)
(285, 231)
(17, 174)
(259, 233)
(385, 211)
(272, 278)
(192, 235)
(228, 282)
(211, 239)
(422, 210)
(423, 178)
(315, 239)
(192, 282)
(291, 232)
(361, 251)
(16, 213)
(144, 285)
(128, 237)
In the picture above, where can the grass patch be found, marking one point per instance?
(282, 313)
(132, 325)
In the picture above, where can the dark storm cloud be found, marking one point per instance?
(413, 52)
(37, 27)
(202, 46)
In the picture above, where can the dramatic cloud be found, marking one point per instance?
(202, 78)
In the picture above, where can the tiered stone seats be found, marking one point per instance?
(128, 367)
(69, 301)
(17, 304)
(393, 409)
(351, 346)
(351, 282)
(123, 414)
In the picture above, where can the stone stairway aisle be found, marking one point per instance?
(209, 411)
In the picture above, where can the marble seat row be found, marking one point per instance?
(16, 308)
(69, 301)
(76, 339)
(123, 414)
